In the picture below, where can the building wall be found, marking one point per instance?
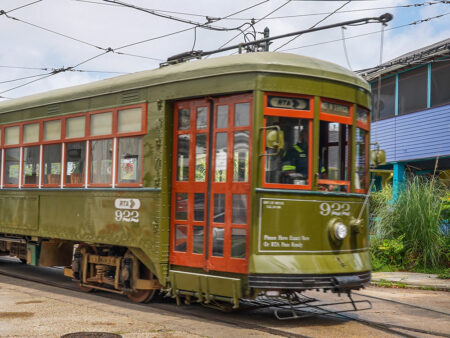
(414, 136)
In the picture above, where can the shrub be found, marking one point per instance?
(414, 219)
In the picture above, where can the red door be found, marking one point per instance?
(211, 183)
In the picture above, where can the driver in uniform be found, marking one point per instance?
(294, 165)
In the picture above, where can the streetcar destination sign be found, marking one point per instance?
(287, 102)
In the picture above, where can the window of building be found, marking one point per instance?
(440, 83)
(412, 90)
(31, 159)
(74, 163)
(130, 158)
(385, 107)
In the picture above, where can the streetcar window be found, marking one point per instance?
(218, 238)
(219, 208)
(31, 165)
(130, 153)
(11, 173)
(129, 120)
(76, 127)
(101, 124)
(75, 157)
(180, 238)
(200, 158)
(12, 135)
(181, 206)
(241, 114)
(31, 133)
(241, 158)
(222, 117)
(52, 130)
(361, 159)
(183, 157)
(238, 242)
(52, 164)
(101, 161)
(289, 165)
(202, 118)
(184, 119)
(239, 212)
(221, 157)
(362, 115)
(199, 207)
(198, 239)
(334, 155)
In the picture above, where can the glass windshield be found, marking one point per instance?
(334, 154)
(288, 161)
(361, 162)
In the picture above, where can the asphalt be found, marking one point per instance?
(411, 280)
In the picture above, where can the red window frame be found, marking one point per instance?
(282, 112)
(343, 120)
(63, 140)
(366, 128)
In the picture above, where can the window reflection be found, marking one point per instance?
(242, 114)
(181, 206)
(238, 243)
(129, 168)
(361, 163)
(334, 154)
(218, 237)
(183, 157)
(75, 157)
(199, 207)
(241, 158)
(221, 157)
(202, 118)
(184, 119)
(180, 238)
(11, 173)
(200, 158)
(31, 165)
(222, 117)
(101, 161)
(52, 164)
(289, 164)
(198, 239)
(219, 208)
(239, 213)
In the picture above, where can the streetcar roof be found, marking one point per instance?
(266, 62)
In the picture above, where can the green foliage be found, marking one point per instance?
(409, 227)
(387, 254)
(445, 274)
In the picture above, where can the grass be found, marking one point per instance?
(406, 233)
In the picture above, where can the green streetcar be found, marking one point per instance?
(214, 181)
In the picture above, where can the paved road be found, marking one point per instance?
(32, 309)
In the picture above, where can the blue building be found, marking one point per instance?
(411, 112)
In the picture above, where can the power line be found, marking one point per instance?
(270, 13)
(369, 33)
(53, 69)
(26, 5)
(318, 22)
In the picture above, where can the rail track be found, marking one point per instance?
(246, 322)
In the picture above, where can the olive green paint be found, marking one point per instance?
(44, 212)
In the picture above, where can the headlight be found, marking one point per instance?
(340, 230)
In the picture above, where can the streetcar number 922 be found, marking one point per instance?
(335, 209)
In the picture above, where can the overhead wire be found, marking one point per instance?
(23, 6)
(366, 34)
(108, 50)
(318, 22)
(52, 69)
(270, 13)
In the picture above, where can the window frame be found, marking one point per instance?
(342, 120)
(290, 113)
(63, 141)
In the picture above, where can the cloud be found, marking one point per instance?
(114, 26)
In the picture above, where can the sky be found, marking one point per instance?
(57, 34)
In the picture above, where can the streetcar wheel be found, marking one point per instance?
(143, 296)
